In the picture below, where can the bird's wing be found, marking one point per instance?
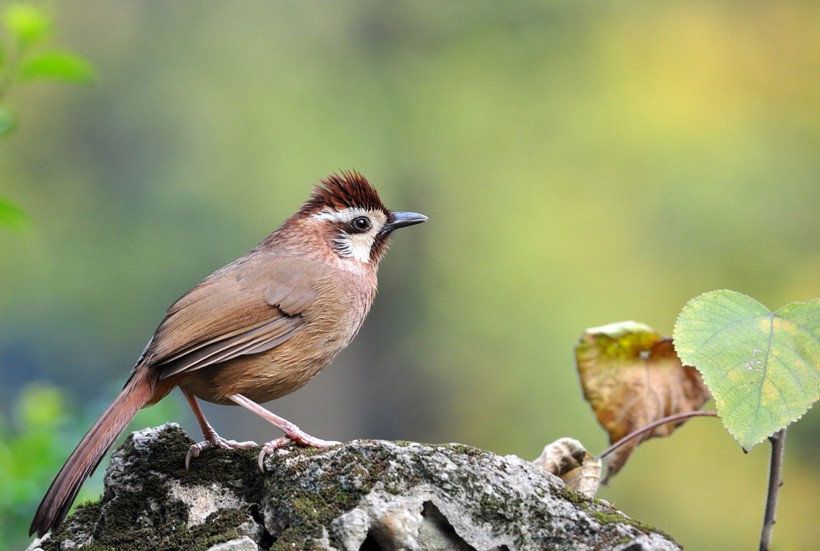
(248, 307)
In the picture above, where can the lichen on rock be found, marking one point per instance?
(365, 494)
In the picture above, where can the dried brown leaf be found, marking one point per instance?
(631, 377)
(586, 478)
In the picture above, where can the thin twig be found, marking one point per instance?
(778, 441)
(651, 426)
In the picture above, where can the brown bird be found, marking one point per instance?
(255, 330)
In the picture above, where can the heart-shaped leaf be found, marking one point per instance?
(762, 367)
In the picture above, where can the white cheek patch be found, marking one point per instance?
(354, 245)
(360, 245)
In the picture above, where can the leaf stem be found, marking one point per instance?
(651, 426)
(778, 441)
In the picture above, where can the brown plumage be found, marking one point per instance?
(254, 330)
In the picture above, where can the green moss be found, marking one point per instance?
(302, 494)
(463, 449)
(218, 527)
(604, 513)
(614, 517)
(119, 527)
(576, 498)
(84, 517)
(75, 528)
(497, 509)
(311, 509)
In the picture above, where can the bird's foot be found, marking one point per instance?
(297, 437)
(292, 432)
(215, 441)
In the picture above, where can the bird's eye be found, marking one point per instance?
(361, 224)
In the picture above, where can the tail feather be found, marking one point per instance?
(89, 452)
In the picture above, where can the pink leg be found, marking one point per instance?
(292, 432)
(212, 439)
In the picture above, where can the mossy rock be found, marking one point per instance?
(361, 495)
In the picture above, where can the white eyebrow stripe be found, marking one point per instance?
(343, 216)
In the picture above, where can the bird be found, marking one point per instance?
(255, 330)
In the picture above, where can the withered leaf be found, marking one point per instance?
(567, 458)
(585, 478)
(631, 377)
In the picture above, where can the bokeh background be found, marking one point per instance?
(581, 163)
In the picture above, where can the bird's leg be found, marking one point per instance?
(212, 439)
(292, 432)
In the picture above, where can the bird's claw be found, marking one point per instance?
(299, 438)
(215, 442)
(269, 448)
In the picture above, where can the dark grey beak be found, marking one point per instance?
(398, 220)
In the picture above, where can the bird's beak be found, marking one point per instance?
(398, 220)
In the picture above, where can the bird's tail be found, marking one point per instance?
(89, 452)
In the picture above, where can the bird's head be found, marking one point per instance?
(351, 218)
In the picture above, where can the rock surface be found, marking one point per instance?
(362, 495)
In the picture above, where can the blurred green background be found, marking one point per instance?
(581, 163)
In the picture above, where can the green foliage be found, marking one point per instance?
(761, 366)
(36, 442)
(26, 26)
(57, 65)
(12, 216)
(28, 449)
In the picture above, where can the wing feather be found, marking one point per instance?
(247, 307)
(254, 341)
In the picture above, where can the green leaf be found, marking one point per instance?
(762, 367)
(26, 23)
(12, 216)
(7, 122)
(56, 65)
